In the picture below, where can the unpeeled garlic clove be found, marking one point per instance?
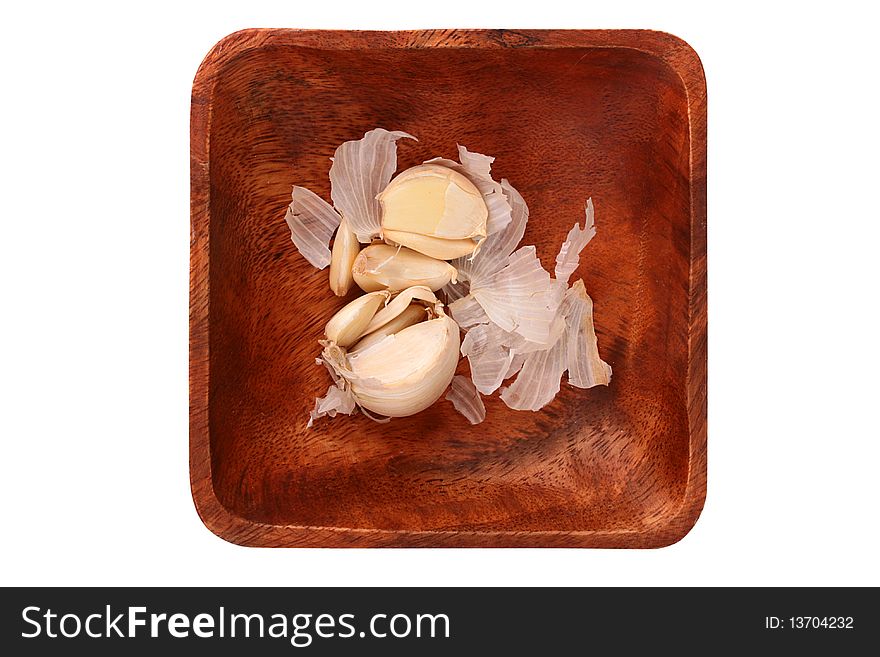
(435, 247)
(408, 371)
(381, 266)
(350, 323)
(413, 314)
(342, 257)
(434, 201)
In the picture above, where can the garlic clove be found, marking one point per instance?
(380, 267)
(413, 314)
(435, 247)
(434, 200)
(400, 303)
(342, 257)
(408, 371)
(350, 323)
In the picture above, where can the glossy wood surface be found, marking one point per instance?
(616, 115)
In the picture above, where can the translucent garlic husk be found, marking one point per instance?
(435, 202)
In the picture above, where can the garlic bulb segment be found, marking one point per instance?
(477, 168)
(350, 323)
(435, 247)
(400, 303)
(408, 371)
(384, 267)
(342, 257)
(435, 201)
(413, 314)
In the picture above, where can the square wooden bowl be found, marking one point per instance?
(616, 115)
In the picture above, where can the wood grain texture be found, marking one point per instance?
(616, 115)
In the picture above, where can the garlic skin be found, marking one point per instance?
(434, 201)
(311, 221)
(384, 267)
(466, 399)
(408, 371)
(350, 323)
(361, 169)
(413, 314)
(342, 257)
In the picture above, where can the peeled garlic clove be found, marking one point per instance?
(350, 323)
(408, 371)
(413, 314)
(342, 257)
(435, 201)
(435, 247)
(400, 303)
(380, 267)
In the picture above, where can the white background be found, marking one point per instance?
(94, 263)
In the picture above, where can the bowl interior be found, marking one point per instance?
(564, 124)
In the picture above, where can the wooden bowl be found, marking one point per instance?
(616, 115)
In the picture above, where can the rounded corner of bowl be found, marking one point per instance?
(684, 59)
(216, 517)
(227, 47)
(680, 525)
